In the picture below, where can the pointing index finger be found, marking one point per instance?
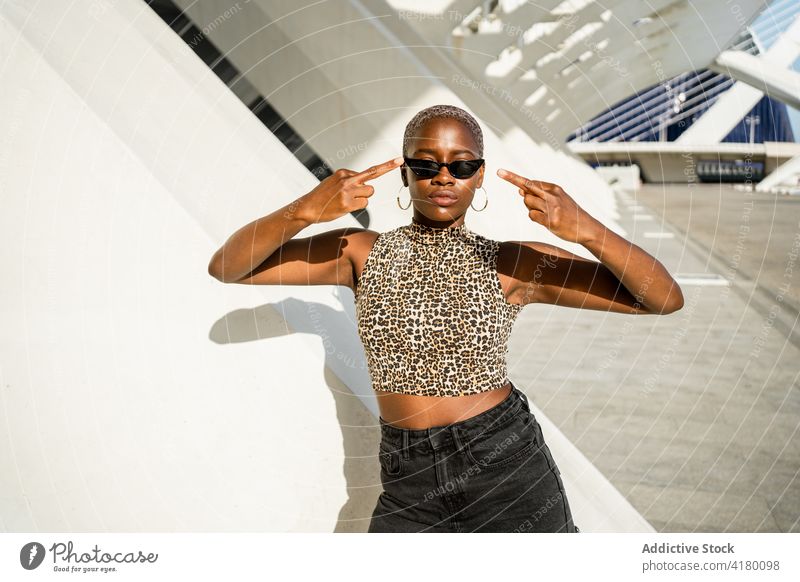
(515, 179)
(520, 181)
(379, 170)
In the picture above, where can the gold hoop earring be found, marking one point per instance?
(409, 199)
(485, 205)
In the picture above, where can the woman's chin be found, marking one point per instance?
(438, 213)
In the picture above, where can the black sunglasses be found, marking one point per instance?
(459, 169)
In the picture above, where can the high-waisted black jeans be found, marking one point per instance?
(490, 473)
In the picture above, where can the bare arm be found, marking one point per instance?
(322, 259)
(252, 244)
(263, 252)
(627, 279)
(545, 273)
(645, 278)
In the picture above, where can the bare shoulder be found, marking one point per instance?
(527, 266)
(359, 243)
(515, 257)
(326, 258)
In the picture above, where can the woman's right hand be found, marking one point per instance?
(342, 192)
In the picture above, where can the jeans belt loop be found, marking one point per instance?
(524, 399)
(456, 438)
(406, 452)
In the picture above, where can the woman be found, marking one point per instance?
(460, 450)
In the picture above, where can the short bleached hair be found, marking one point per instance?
(438, 112)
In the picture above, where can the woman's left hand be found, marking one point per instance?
(553, 208)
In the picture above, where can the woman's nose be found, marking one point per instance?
(443, 177)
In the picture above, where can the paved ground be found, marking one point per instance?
(693, 416)
(749, 232)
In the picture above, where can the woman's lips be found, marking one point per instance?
(443, 197)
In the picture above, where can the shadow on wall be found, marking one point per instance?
(360, 429)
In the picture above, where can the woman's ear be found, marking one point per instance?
(403, 175)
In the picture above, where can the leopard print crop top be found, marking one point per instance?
(431, 313)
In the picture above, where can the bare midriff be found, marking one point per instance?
(421, 412)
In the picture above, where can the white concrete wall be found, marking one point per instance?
(137, 392)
